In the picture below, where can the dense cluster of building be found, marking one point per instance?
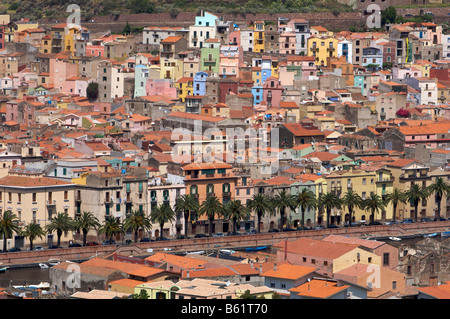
(91, 122)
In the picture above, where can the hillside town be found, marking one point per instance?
(325, 146)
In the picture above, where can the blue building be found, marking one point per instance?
(200, 83)
(140, 79)
(257, 92)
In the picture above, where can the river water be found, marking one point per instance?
(23, 276)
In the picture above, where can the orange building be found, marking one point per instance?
(210, 179)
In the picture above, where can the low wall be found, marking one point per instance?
(83, 253)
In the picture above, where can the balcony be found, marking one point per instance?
(314, 49)
(51, 202)
(331, 49)
(226, 194)
(209, 61)
(108, 201)
(210, 176)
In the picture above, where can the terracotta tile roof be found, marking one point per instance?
(318, 288)
(318, 248)
(298, 130)
(126, 282)
(288, 271)
(372, 244)
(111, 264)
(180, 261)
(22, 181)
(439, 292)
(195, 117)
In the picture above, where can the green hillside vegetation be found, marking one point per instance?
(39, 9)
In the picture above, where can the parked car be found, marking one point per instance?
(92, 243)
(161, 238)
(288, 229)
(14, 249)
(392, 222)
(233, 233)
(274, 230)
(200, 236)
(426, 220)
(53, 247)
(319, 227)
(251, 232)
(219, 235)
(333, 226)
(38, 248)
(407, 221)
(375, 224)
(145, 240)
(109, 242)
(74, 245)
(182, 237)
(351, 225)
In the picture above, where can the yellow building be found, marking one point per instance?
(257, 75)
(124, 285)
(424, 66)
(171, 69)
(38, 200)
(321, 48)
(184, 87)
(258, 36)
(364, 183)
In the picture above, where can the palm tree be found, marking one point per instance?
(85, 222)
(414, 195)
(111, 227)
(306, 199)
(352, 200)
(8, 226)
(440, 188)
(162, 214)
(33, 231)
(329, 201)
(374, 203)
(397, 196)
(211, 207)
(260, 203)
(236, 212)
(62, 224)
(282, 201)
(186, 204)
(136, 221)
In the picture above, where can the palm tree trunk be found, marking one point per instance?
(186, 218)
(259, 222)
(31, 244)
(415, 212)
(4, 242)
(84, 237)
(395, 211)
(439, 200)
(211, 220)
(135, 236)
(328, 216)
(281, 219)
(59, 233)
(161, 226)
(350, 213)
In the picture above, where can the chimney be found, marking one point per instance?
(187, 273)
(260, 269)
(251, 263)
(275, 266)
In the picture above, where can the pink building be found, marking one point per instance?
(231, 58)
(23, 112)
(307, 65)
(76, 85)
(60, 70)
(95, 50)
(287, 43)
(272, 91)
(136, 123)
(160, 87)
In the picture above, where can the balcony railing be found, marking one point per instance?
(51, 202)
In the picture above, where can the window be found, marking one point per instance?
(385, 259)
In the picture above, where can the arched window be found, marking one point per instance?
(194, 189)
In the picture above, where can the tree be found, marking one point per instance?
(92, 91)
(162, 214)
(136, 221)
(282, 201)
(33, 231)
(397, 196)
(141, 295)
(306, 199)
(186, 204)
(211, 207)
(62, 224)
(86, 222)
(352, 201)
(414, 195)
(236, 212)
(141, 6)
(8, 226)
(374, 203)
(111, 227)
(260, 204)
(440, 188)
(329, 201)
(388, 15)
